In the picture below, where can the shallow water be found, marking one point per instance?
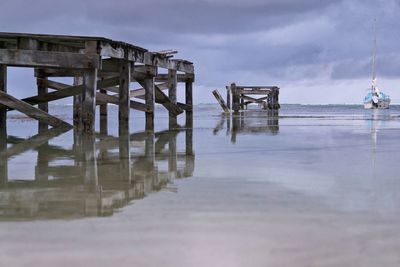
(309, 186)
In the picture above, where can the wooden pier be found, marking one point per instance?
(239, 97)
(103, 71)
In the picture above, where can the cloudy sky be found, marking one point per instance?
(317, 51)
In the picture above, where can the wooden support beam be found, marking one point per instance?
(220, 101)
(172, 79)
(30, 111)
(180, 78)
(100, 98)
(228, 97)
(189, 103)
(153, 59)
(42, 90)
(103, 113)
(235, 98)
(31, 58)
(3, 109)
(163, 99)
(150, 101)
(77, 105)
(124, 81)
(89, 90)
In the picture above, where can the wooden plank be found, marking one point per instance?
(220, 101)
(30, 58)
(30, 111)
(140, 93)
(180, 77)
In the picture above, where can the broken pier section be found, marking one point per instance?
(239, 97)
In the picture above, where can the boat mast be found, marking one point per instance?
(374, 60)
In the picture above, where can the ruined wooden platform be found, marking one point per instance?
(239, 97)
(103, 70)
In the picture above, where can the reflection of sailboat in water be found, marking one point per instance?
(96, 176)
(375, 99)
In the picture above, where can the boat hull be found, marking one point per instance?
(379, 105)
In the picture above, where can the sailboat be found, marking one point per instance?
(375, 98)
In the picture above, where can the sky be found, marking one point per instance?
(316, 51)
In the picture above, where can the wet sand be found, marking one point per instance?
(316, 186)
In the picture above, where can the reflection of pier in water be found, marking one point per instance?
(249, 122)
(97, 175)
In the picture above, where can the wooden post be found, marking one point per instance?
(89, 92)
(77, 108)
(42, 90)
(103, 115)
(189, 102)
(3, 128)
(172, 79)
(3, 109)
(228, 97)
(235, 98)
(242, 102)
(148, 84)
(124, 104)
(220, 101)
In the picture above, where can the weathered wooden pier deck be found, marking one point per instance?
(102, 69)
(239, 97)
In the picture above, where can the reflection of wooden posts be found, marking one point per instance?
(148, 85)
(189, 155)
(172, 159)
(172, 83)
(235, 128)
(42, 163)
(90, 163)
(189, 102)
(42, 90)
(124, 154)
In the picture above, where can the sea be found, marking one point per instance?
(308, 185)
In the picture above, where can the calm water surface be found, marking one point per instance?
(308, 186)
